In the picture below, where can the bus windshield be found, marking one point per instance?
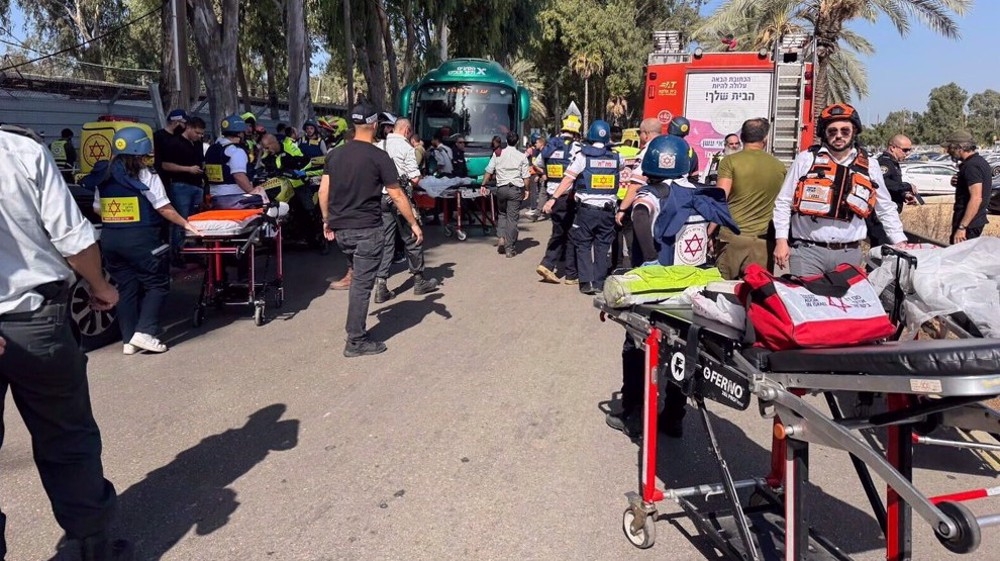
(476, 111)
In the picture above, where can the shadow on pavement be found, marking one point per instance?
(307, 275)
(690, 461)
(441, 272)
(404, 314)
(193, 490)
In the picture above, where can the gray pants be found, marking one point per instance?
(364, 247)
(807, 259)
(391, 223)
(508, 207)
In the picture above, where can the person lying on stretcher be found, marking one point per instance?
(664, 165)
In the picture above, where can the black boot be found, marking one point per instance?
(94, 548)
(382, 292)
(423, 286)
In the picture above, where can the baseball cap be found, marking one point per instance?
(364, 114)
(957, 137)
(177, 115)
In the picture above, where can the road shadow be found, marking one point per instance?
(405, 314)
(524, 244)
(440, 272)
(307, 276)
(689, 461)
(193, 491)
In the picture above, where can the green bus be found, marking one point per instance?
(472, 97)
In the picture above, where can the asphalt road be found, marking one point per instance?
(479, 435)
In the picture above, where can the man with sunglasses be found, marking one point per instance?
(829, 191)
(900, 191)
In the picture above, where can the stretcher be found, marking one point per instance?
(711, 362)
(458, 196)
(238, 234)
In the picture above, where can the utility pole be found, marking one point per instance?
(180, 91)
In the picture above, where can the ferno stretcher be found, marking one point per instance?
(480, 208)
(943, 379)
(237, 234)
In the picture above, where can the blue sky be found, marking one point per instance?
(903, 71)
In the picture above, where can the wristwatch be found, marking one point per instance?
(960, 227)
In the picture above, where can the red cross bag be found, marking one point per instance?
(836, 309)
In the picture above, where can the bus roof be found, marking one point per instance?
(469, 70)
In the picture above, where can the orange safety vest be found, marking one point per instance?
(832, 190)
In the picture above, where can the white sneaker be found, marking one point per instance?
(147, 343)
(130, 349)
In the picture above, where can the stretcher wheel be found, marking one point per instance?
(258, 315)
(279, 298)
(449, 231)
(644, 536)
(968, 537)
(199, 317)
(462, 236)
(487, 231)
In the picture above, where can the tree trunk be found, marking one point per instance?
(443, 33)
(272, 87)
(241, 78)
(299, 101)
(411, 41)
(216, 43)
(350, 54)
(390, 54)
(169, 94)
(371, 55)
(586, 103)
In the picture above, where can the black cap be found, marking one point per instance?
(364, 114)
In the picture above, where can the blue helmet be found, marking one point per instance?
(599, 131)
(233, 124)
(310, 123)
(679, 126)
(666, 158)
(534, 137)
(131, 141)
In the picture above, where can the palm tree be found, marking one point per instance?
(525, 73)
(839, 71)
(585, 65)
(617, 107)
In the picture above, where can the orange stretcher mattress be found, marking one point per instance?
(226, 223)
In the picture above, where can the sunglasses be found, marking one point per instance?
(843, 131)
(905, 150)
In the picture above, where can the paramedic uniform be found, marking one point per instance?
(595, 173)
(223, 159)
(554, 159)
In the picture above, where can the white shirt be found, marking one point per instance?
(510, 167)
(238, 161)
(40, 224)
(552, 184)
(576, 168)
(634, 174)
(157, 194)
(443, 155)
(403, 155)
(829, 230)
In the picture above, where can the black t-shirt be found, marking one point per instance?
(972, 170)
(181, 151)
(160, 139)
(358, 170)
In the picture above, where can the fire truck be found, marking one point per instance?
(717, 91)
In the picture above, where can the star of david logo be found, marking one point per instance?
(114, 208)
(693, 246)
(96, 151)
(837, 303)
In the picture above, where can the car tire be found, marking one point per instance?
(95, 329)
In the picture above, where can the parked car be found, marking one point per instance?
(930, 178)
(96, 328)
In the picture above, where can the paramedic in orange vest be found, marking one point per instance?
(819, 215)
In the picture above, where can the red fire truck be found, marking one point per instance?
(717, 91)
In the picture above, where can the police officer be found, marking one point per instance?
(312, 144)
(251, 142)
(900, 191)
(227, 166)
(819, 214)
(133, 206)
(680, 127)
(65, 154)
(645, 249)
(557, 155)
(40, 358)
(594, 174)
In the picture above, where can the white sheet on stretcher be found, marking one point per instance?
(436, 186)
(230, 228)
(963, 277)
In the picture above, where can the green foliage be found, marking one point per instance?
(984, 117)
(945, 112)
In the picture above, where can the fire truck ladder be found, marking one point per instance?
(789, 84)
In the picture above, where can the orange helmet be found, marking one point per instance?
(839, 112)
